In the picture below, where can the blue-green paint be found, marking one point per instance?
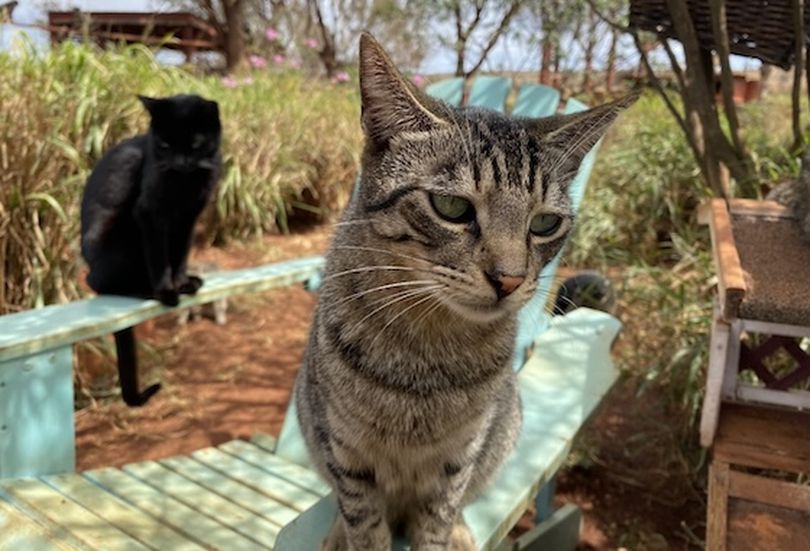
(490, 92)
(36, 414)
(450, 90)
(536, 100)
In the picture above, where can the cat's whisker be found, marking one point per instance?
(427, 312)
(431, 295)
(399, 297)
(382, 288)
(383, 251)
(351, 222)
(362, 269)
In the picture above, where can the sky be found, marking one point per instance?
(513, 55)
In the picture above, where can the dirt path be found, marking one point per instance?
(226, 382)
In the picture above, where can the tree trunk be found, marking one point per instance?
(590, 45)
(234, 39)
(610, 70)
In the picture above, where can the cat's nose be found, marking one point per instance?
(504, 284)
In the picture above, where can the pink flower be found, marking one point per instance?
(271, 34)
(278, 59)
(257, 61)
(419, 80)
(229, 82)
(295, 63)
(342, 76)
(246, 81)
(312, 43)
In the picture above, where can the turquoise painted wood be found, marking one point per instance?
(36, 414)
(561, 384)
(533, 319)
(449, 90)
(189, 520)
(536, 100)
(490, 92)
(52, 326)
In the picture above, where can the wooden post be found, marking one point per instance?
(37, 435)
(717, 512)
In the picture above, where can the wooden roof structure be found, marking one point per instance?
(178, 30)
(763, 29)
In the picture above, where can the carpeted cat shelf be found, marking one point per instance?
(755, 407)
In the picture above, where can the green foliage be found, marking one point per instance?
(286, 140)
(639, 224)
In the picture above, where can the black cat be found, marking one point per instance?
(138, 212)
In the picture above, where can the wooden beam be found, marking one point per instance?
(717, 511)
(756, 207)
(730, 275)
(770, 491)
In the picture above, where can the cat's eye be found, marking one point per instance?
(452, 207)
(545, 224)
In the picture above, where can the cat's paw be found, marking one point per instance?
(190, 285)
(169, 297)
(461, 539)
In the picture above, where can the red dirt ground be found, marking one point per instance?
(226, 382)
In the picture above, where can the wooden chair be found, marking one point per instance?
(263, 493)
(752, 420)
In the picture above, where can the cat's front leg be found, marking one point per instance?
(155, 240)
(437, 525)
(361, 524)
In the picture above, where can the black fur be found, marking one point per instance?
(139, 208)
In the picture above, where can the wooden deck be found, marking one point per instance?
(236, 496)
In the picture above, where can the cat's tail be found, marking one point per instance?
(127, 352)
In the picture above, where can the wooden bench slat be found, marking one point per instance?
(80, 523)
(18, 531)
(212, 505)
(244, 496)
(146, 529)
(258, 479)
(62, 324)
(171, 511)
(292, 473)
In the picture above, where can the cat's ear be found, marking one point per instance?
(391, 105)
(151, 104)
(572, 136)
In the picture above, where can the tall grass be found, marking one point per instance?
(287, 142)
(639, 223)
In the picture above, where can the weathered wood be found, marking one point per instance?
(717, 511)
(260, 480)
(798, 399)
(80, 523)
(718, 352)
(36, 414)
(760, 527)
(213, 530)
(770, 328)
(559, 532)
(770, 491)
(53, 326)
(18, 531)
(228, 488)
(731, 281)
(763, 437)
(142, 527)
(195, 497)
(757, 207)
(292, 473)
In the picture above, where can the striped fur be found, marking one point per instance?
(406, 398)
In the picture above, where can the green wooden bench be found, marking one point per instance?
(261, 494)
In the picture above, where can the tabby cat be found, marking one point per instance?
(406, 398)
(796, 195)
(138, 212)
